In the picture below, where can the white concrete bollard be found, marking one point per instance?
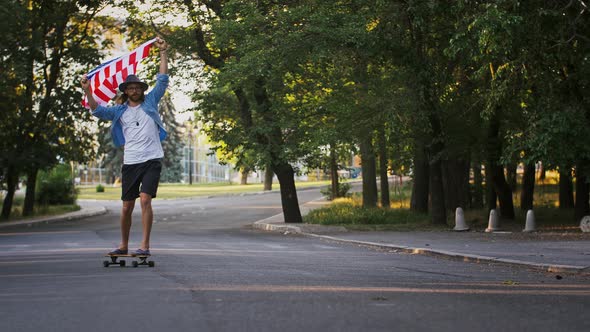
(585, 224)
(493, 223)
(460, 224)
(529, 225)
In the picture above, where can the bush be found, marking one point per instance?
(100, 188)
(56, 186)
(343, 188)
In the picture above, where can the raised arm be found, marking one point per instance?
(85, 83)
(163, 46)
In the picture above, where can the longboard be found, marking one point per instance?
(141, 260)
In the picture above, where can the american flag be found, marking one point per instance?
(105, 79)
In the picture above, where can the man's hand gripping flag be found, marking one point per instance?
(105, 78)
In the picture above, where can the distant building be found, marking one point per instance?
(199, 162)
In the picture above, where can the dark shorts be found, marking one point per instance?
(145, 175)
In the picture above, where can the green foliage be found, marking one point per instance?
(524, 60)
(56, 186)
(172, 145)
(100, 188)
(46, 47)
(281, 81)
(343, 190)
(111, 157)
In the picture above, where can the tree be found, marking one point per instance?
(110, 157)
(172, 145)
(418, 36)
(458, 83)
(48, 41)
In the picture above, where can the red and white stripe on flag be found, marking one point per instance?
(105, 79)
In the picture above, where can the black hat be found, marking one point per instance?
(132, 79)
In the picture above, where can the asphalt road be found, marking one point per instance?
(215, 273)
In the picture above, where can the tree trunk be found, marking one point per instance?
(244, 176)
(491, 195)
(511, 176)
(503, 191)
(334, 172)
(369, 173)
(289, 200)
(496, 170)
(438, 211)
(29, 205)
(477, 194)
(437, 194)
(566, 189)
(528, 187)
(383, 165)
(420, 186)
(582, 194)
(456, 183)
(543, 172)
(268, 175)
(11, 182)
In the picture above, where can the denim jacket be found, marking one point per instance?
(149, 106)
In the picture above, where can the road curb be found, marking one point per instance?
(76, 215)
(267, 225)
(554, 268)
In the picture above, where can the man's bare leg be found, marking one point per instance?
(147, 219)
(126, 212)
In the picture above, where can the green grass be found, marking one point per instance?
(346, 212)
(39, 211)
(170, 191)
(350, 213)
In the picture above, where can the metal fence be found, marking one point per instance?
(91, 175)
(204, 167)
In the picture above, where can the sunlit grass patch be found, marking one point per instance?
(175, 190)
(349, 212)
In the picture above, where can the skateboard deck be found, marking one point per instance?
(141, 260)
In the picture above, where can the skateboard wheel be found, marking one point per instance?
(105, 263)
(151, 264)
(122, 263)
(134, 264)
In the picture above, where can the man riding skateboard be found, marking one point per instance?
(137, 126)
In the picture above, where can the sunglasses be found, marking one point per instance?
(131, 88)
